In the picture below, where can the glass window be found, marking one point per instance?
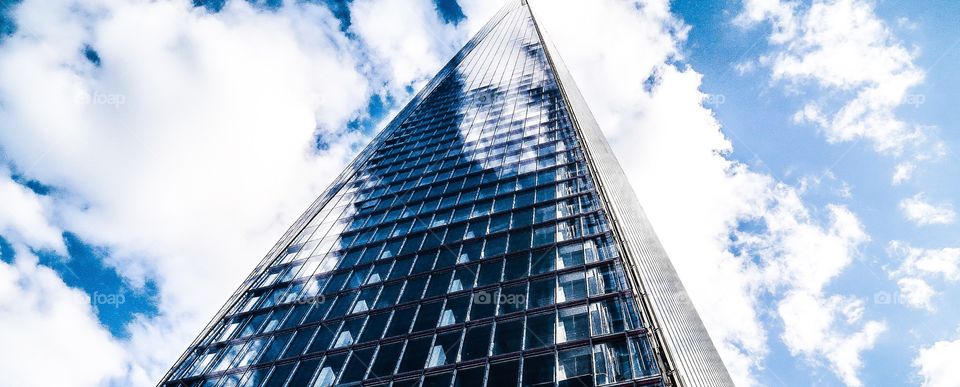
(455, 311)
(400, 323)
(509, 336)
(490, 272)
(607, 316)
(356, 366)
(574, 367)
(543, 261)
(413, 289)
(386, 361)
(444, 350)
(542, 292)
(415, 354)
(484, 304)
(512, 298)
(427, 318)
(476, 342)
(325, 333)
(328, 372)
(516, 266)
(572, 324)
(276, 347)
(350, 332)
(504, 373)
(544, 235)
(573, 286)
(304, 373)
(540, 330)
(463, 278)
(279, 375)
(365, 300)
(438, 380)
(388, 297)
(612, 362)
(538, 370)
(375, 325)
(469, 377)
(299, 343)
(643, 359)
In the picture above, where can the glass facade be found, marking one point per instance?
(467, 246)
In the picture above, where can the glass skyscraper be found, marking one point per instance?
(486, 237)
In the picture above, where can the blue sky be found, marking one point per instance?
(796, 158)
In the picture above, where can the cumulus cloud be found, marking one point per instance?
(675, 155)
(920, 210)
(918, 267)
(26, 216)
(916, 292)
(937, 364)
(843, 45)
(902, 172)
(44, 324)
(183, 142)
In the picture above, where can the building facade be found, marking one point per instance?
(486, 237)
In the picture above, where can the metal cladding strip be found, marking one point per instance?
(341, 179)
(686, 351)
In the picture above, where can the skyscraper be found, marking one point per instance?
(487, 236)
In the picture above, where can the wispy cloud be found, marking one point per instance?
(920, 210)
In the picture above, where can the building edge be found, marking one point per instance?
(683, 345)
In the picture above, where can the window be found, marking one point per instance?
(445, 349)
(538, 370)
(415, 354)
(509, 336)
(574, 367)
(540, 330)
(572, 324)
(612, 362)
(476, 342)
(504, 373)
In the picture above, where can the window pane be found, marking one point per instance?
(386, 360)
(540, 330)
(476, 342)
(469, 377)
(444, 349)
(504, 374)
(509, 336)
(415, 354)
(612, 362)
(538, 370)
(574, 367)
(573, 324)
(356, 366)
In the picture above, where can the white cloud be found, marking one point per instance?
(187, 152)
(944, 262)
(919, 210)
(843, 46)
(25, 217)
(44, 324)
(916, 292)
(937, 364)
(902, 172)
(674, 153)
(917, 266)
(408, 36)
